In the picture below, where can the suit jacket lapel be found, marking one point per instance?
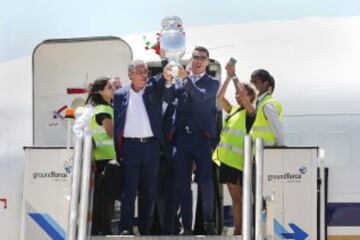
(121, 118)
(147, 98)
(126, 96)
(124, 105)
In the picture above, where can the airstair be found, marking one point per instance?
(283, 194)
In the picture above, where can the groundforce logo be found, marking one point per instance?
(292, 177)
(285, 176)
(51, 174)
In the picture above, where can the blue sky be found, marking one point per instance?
(24, 24)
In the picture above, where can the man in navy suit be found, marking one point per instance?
(194, 129)
(138, 136)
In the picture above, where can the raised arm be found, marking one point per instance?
(168, 88)
(244, 99)
(225, 104)
(157, 82)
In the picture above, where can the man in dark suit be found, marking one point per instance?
(194, 129)
(138, 136)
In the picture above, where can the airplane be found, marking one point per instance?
(313, 60)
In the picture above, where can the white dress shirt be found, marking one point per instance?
(195, 78)
(272, 116)
(137, 124)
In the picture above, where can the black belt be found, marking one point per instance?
(140, 140)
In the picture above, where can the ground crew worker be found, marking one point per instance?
(268, 122)
(229, 152)
(101, 125)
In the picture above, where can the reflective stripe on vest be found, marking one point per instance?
(230, 150)
(261, 127)
(234, 131)
(104, 144)
(99, 130)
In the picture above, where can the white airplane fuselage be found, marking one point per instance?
(315, 65)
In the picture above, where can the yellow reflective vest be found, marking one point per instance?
(104, 144)
(230, 150)
(261, 127)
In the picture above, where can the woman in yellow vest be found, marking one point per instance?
(101, 124)
(229, 152)
(268, 122)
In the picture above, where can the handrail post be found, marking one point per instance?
(85, 188)
(322, 194)
(75, 186)
(247, 189)
(259, 164)
(69, 133)
(81, 173)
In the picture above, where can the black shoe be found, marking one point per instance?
(186, 232)
(127, 232)
(210, 228)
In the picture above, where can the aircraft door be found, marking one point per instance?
(62, 72)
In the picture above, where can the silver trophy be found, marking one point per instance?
(172, 43)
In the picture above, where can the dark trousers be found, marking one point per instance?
(141, 162)
(165, 195)
(170, 183)
(188, 148)
(103, 203)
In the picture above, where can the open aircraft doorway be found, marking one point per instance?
(62, 72)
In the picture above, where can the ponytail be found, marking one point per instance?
(94, 98)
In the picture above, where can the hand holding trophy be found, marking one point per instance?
(172, 46)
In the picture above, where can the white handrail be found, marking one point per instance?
(85, 188)
(322, 194)
(75, 186)
(259, 163)
(82, 121)
(81, 170)
(247, 190)
(69, 133)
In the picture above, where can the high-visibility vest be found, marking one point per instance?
(230, 150)
(104, 144)
(261, 127)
